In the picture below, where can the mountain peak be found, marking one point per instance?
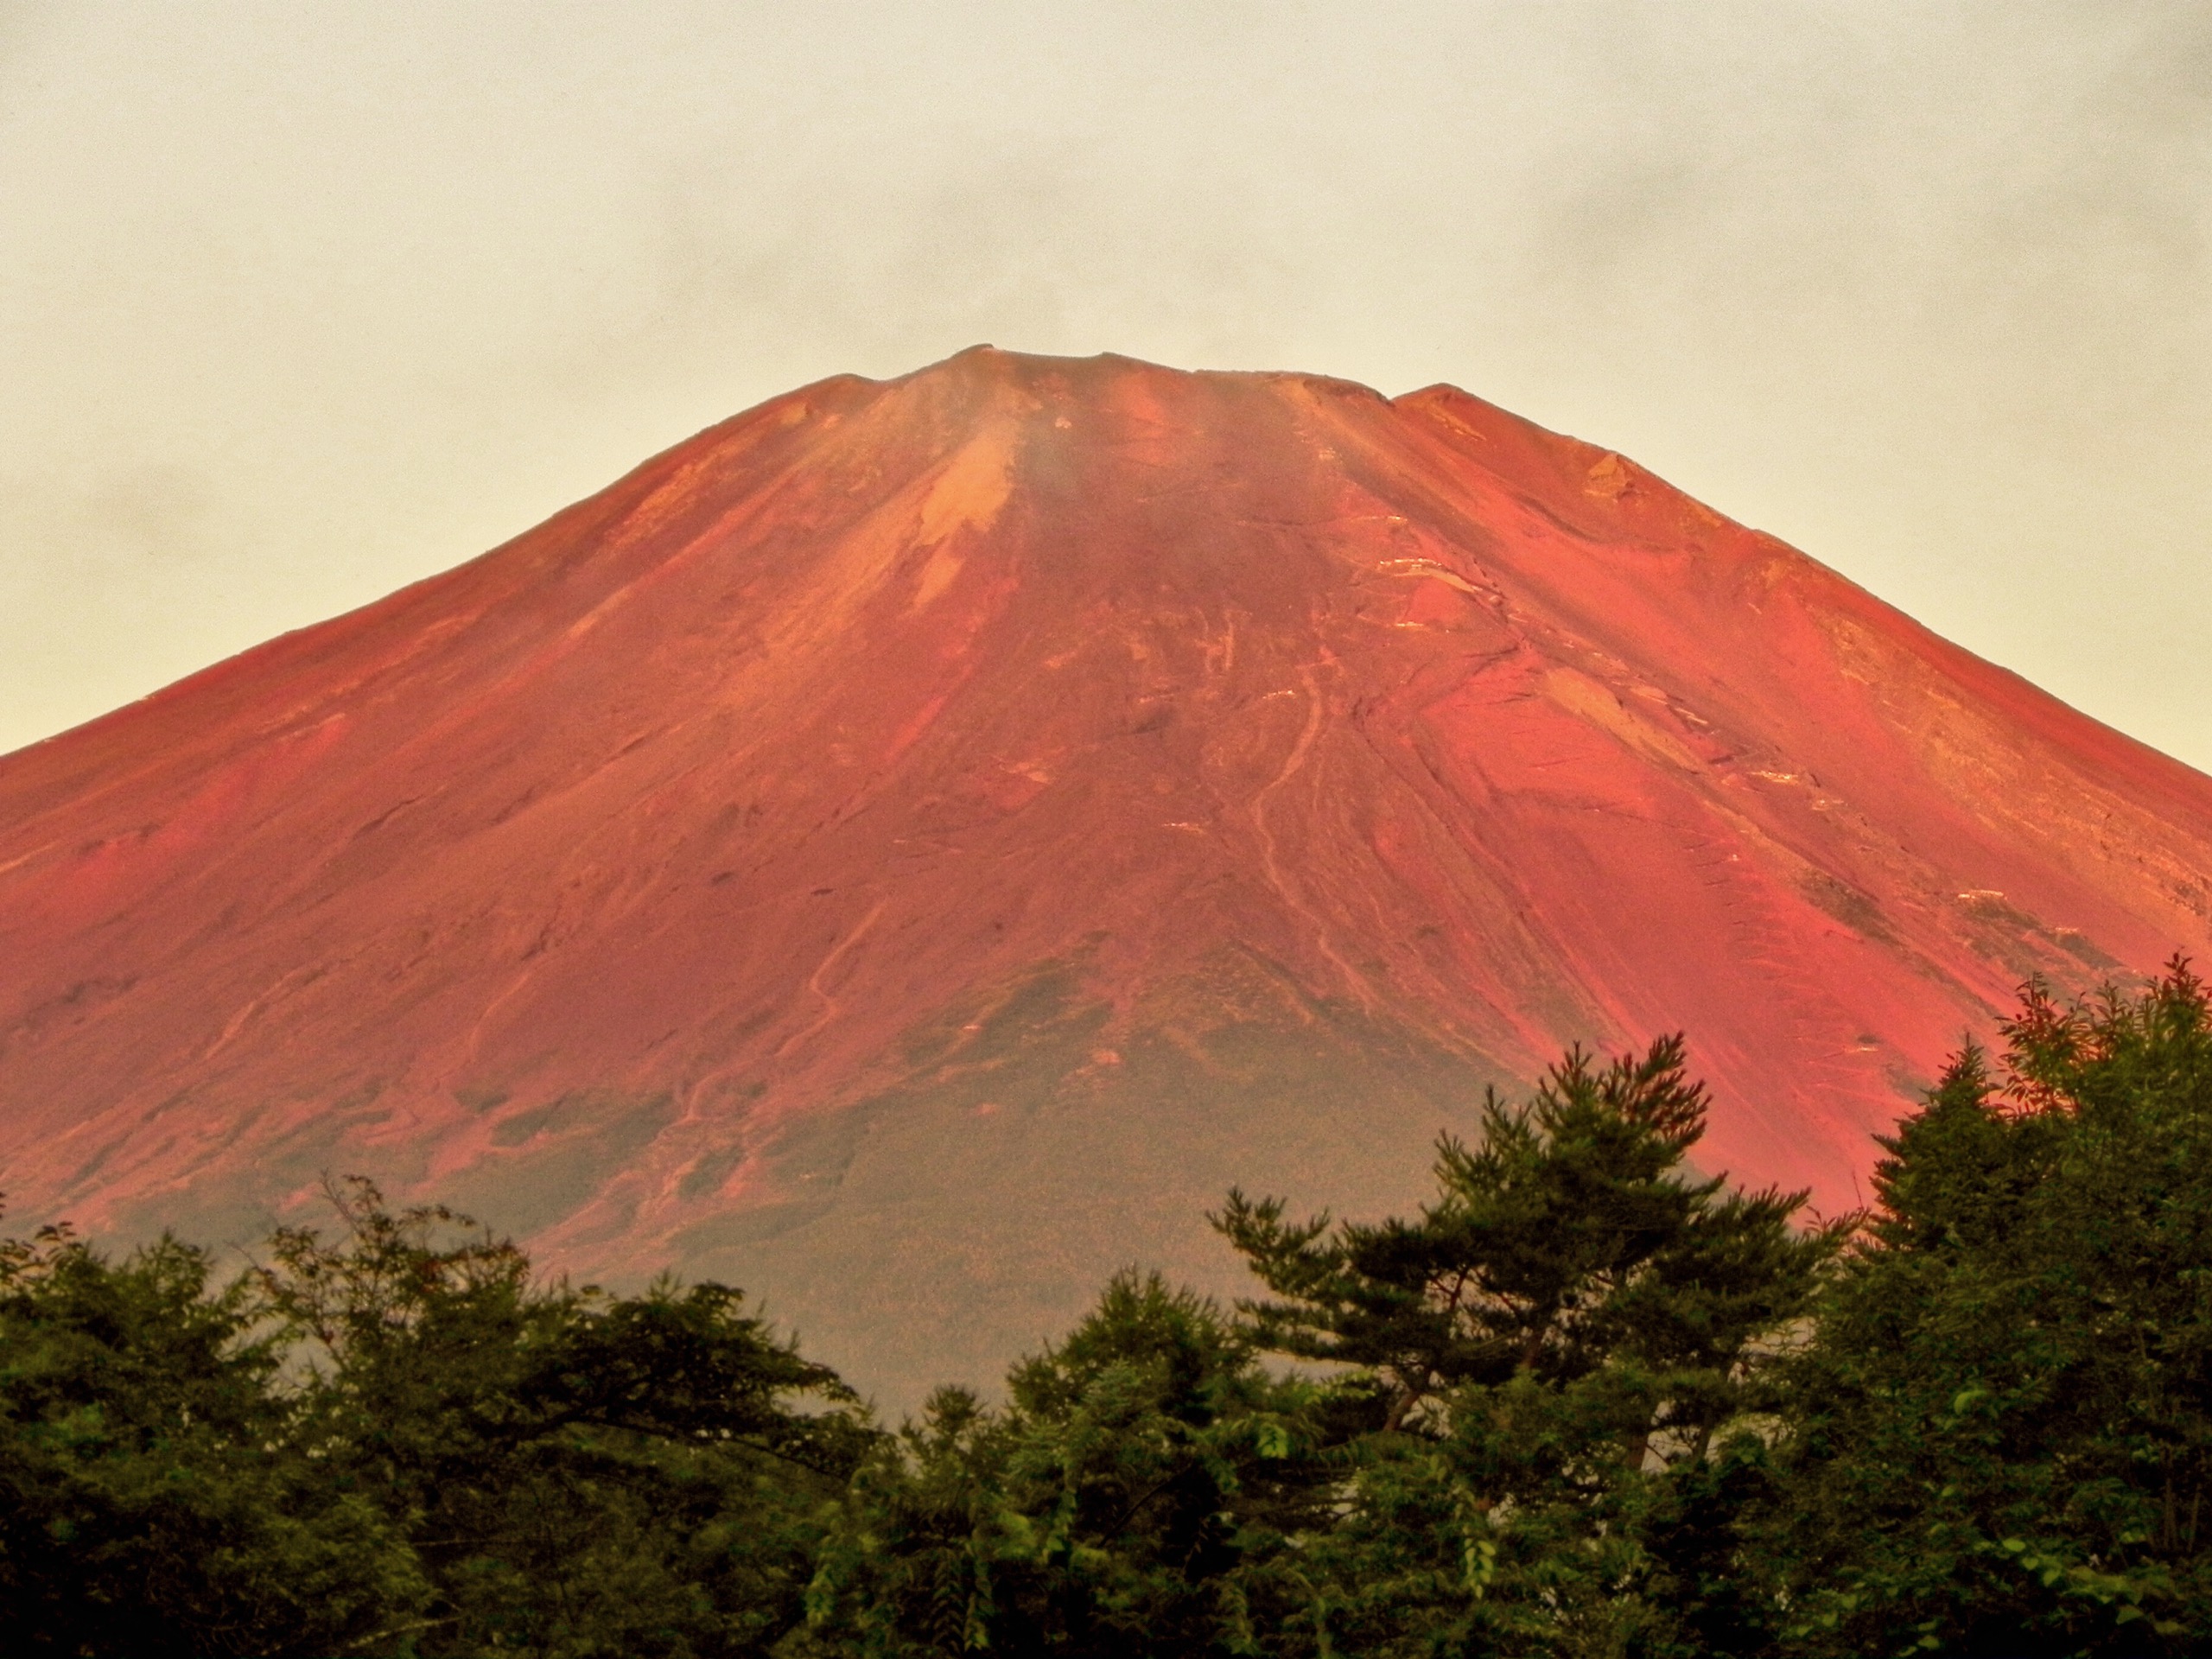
(910, 846)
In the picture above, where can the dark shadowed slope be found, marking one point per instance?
(909, 846)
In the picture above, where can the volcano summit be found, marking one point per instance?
(907, 850)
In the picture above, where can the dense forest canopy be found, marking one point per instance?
(1585, 1402)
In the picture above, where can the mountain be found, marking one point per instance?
(908, 849)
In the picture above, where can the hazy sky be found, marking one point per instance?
(301, 301)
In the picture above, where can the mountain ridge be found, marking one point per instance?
(1148, 779)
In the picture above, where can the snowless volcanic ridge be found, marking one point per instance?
(909, 849)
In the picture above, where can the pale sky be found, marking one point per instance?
(301, 302)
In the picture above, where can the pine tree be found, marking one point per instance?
(1553, 1369)
(2002, 1437)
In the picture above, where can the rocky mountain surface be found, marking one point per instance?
(908, 849)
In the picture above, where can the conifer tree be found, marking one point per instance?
(2001, 1439)
(1556, 1360)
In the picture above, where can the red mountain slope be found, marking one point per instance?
(908, 848)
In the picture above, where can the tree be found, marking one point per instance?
(2002, 1436)
(399, 1442)
(1136, 1496)
(1552, 1367)
(577, 1473)
(153, 1499)
(1584, 1402)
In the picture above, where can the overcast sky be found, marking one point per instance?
(299, 302)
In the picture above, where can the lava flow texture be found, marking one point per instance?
(909, 849)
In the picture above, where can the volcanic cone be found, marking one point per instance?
(907, 850)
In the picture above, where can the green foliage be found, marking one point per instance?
(576, 1474)
(1137, 1494)
(2002, 1437)
(153, 1497)
(1562, 1357)
(1582, 1403)
(400, 1442)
